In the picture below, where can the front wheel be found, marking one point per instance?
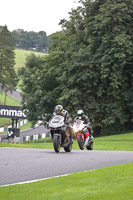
(80, 142)
(56, 143)
(90, 146)
(68, 148)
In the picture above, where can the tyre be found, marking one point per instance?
(90, 146)
(56, 143)
(68, 148)
(80, 142)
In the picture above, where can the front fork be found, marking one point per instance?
(59, 135)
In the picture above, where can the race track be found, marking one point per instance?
(25, 164)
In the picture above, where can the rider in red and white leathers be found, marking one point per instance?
(86, 120)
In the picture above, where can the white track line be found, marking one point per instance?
(32, 181)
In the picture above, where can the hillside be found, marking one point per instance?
(20, 56)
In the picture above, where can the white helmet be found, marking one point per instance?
(80, 112)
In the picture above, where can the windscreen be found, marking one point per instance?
(57, 118)
(78, 121)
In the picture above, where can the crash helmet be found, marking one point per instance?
(58, 110)
(80, 113)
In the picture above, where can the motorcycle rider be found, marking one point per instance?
(86, 120)
(60, 111)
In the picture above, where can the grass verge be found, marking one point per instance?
(122, 142)
(110, 183)
(115, 142)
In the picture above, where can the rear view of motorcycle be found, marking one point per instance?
(60, 134)
(82, 135)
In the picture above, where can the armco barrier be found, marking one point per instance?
(35, 137)
(3, 129)
(25, 139)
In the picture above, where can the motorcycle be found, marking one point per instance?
(60, 134)
(82, 135)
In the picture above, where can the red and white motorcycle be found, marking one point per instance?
(82, 135)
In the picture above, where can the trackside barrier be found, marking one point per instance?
(36, 137)
(25, 139)
(3, 129)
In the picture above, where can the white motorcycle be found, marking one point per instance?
(60, 134)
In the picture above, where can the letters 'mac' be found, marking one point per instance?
(12, 112)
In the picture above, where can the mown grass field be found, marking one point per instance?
(110, 183)
(20, 60)
(20, 57)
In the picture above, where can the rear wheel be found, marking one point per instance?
(68, 148)
(56, 143)
(80, 142)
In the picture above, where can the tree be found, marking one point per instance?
(30, 40)
(111, 49)
(8, 77)
(90, 62)
(100, 66)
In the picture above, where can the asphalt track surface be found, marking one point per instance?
(23, 164)
(33, 131)
(16, 94)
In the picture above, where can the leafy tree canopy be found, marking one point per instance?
(8, 77)
(89, 66)
(30, 40)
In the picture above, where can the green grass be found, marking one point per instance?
(26, 126)
(19, 84)
(9, 101)
(20, 60)
(110, 183)
(20, 57)
(115, 142)
(122, 142)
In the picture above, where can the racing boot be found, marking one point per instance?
(71, 136)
